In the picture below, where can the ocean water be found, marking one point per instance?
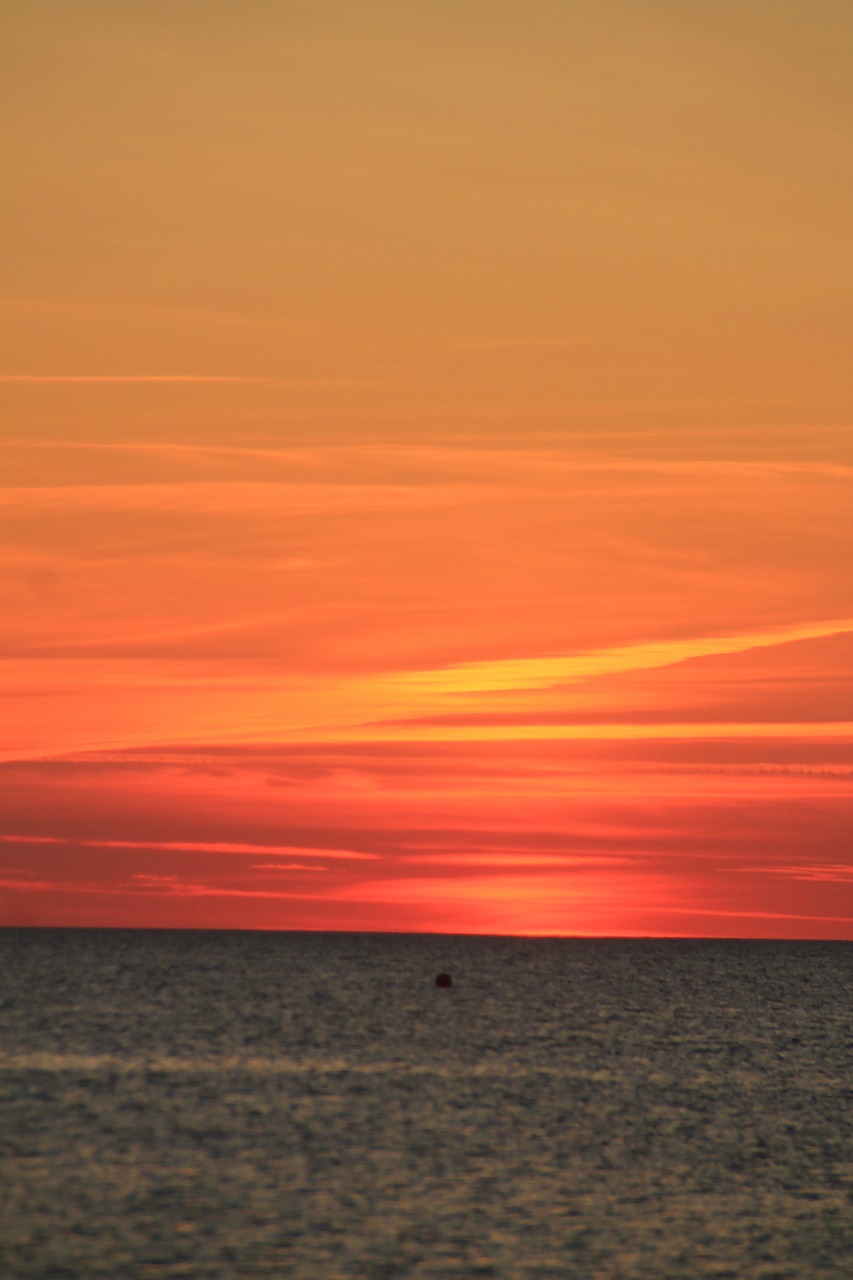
(312, 1106)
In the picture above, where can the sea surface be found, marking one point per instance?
(313, 1106)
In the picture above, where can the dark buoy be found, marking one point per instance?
(444, 980)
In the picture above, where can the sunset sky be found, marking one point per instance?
(425, 480)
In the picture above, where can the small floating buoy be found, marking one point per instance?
(444, 980)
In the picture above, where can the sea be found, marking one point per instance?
(312, 1106)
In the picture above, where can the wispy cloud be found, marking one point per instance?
(166, 885)
(749, 914)
(285, 866)
(541, 673)
(251, 497)
(586, 732)
(835, 872)
(187, 377)
(191, 846)
(521, 344)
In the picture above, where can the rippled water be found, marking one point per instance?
(311, 1105)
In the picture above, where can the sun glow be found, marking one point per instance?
(425, 484)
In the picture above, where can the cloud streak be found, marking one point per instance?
(141, 378)
(184, 846)
(543, 673)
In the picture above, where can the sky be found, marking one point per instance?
(425, 472)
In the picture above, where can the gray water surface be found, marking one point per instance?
(312, 1106)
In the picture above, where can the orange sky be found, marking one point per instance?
(425, 479)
